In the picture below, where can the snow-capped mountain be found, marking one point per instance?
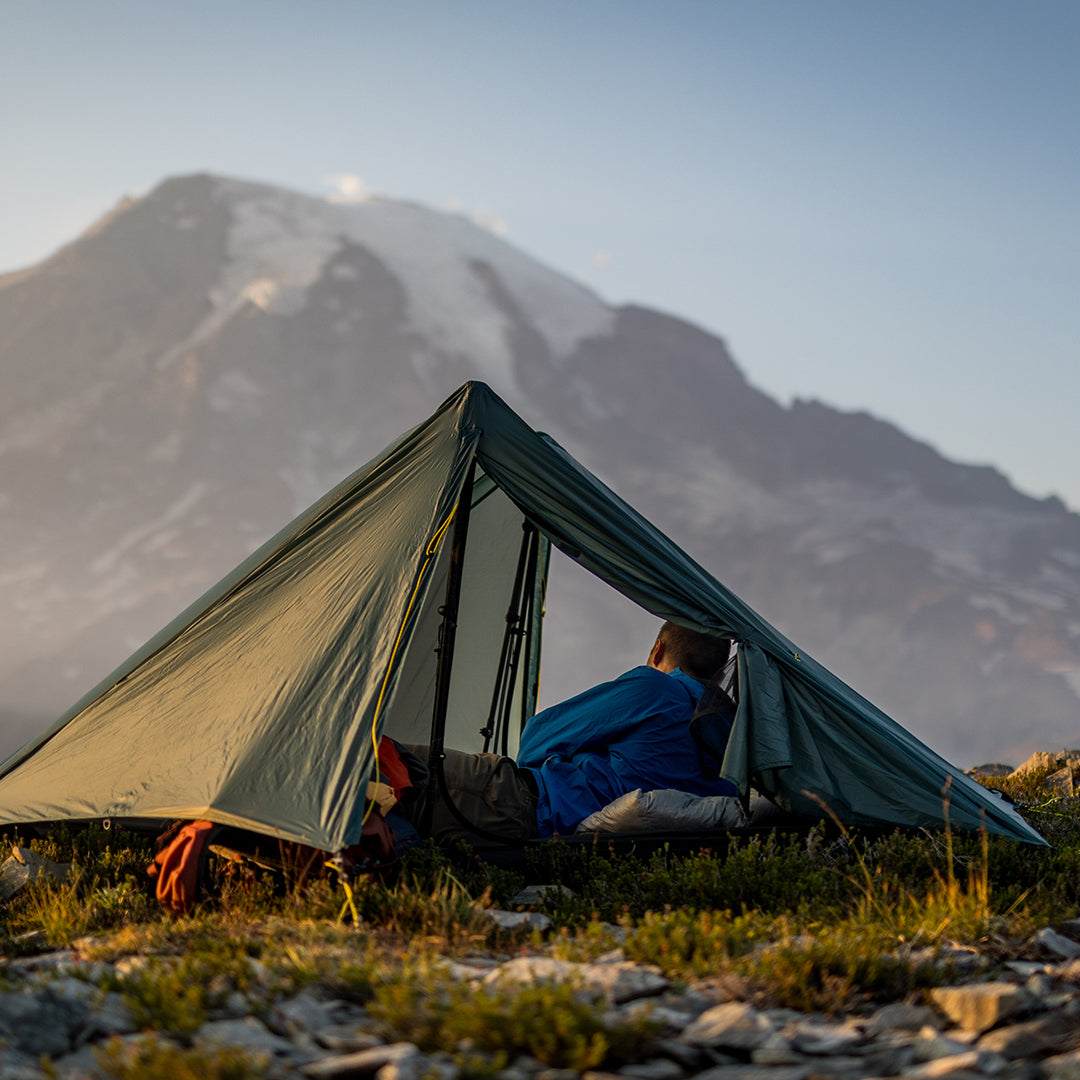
(180, 381)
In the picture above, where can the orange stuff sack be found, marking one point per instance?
(179, 865)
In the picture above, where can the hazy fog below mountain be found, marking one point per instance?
(179, 382)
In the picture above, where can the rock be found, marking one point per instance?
(617, 982)
(1030, 1039)
(1061, 1066)
(130, 965)
(822, 1039)
(653, 1069)
(16, 1066)
(558, 1074)
(346, 1039)
(931, 1045)
(1043, 760)
(969, 1063)
(24, 866)
(734, 1025)
(108, 1017)
(363, 1062)
(1025, 968)
(305, 1012)
(990, 771)
(624, 981)
(1056, 943)
(50, 962)
(671, 1021)
(689, 1057)
(900, 1017)
(838, 1067)
(42, 1023)
(249, 1035)
(979, 1006)
(756, 1072)
(535, 894)
(518, 920)
(1064, 781)
(463, 972)
(776, 1050)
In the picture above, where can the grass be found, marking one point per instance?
(554, 1024)
(815, 921)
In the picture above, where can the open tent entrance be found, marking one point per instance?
(482, 617)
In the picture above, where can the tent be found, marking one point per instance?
(408, 600)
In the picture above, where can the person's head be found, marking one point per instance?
(699, 655)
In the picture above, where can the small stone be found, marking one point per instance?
(671, 1021)
(624, 981)
(617, 982)
(756, 1072)
(900, 1017)
(532, 895)
(362, 1063)
(776, 1050)
(954, 1065)
(932, 1045)
(463, 972)
(883, 1058)
(823, 1038)
(346, 1038)
(990, 770)
(1061, 1066)
(734, 1025)
(653, 1069)
(839, 1067)
(409, 1068)
(1029, 1039)
(43, 962)
(979, 1006)
(1025, 968)
(249, 1034)
(689, 1057)
(518, 920)
(129, 965)
(1040, 987)
(304, 1012)
(1056, 943)
(235, 1005)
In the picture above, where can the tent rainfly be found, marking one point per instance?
(261, 705)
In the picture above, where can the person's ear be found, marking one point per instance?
(656, 657)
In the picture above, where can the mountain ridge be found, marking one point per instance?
(207, 360)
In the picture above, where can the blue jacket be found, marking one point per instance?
(630, 733)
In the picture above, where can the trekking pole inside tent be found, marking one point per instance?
(447, 635)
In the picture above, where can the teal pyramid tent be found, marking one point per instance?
(383, 608)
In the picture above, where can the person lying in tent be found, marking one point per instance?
(576, 757)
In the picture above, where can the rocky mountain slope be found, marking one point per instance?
(184, 378)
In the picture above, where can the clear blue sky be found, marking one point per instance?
(875, 202)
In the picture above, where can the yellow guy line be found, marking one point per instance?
(432, 548)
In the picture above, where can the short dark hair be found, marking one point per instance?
(699, 655)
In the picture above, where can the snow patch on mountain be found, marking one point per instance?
(281, 241)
